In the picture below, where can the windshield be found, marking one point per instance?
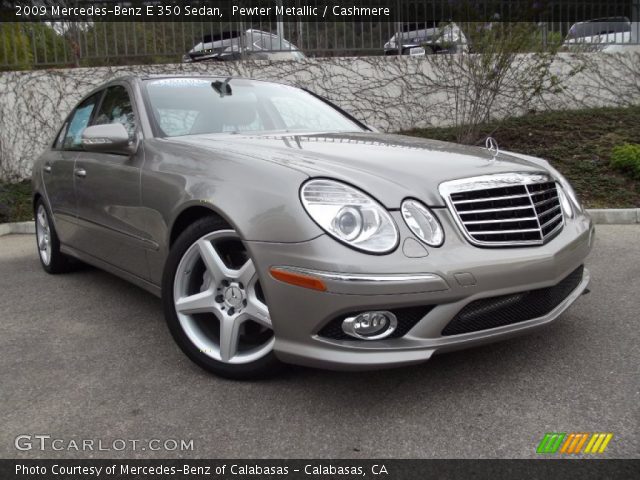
(191, 106)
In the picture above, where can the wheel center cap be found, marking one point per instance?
(233, 296)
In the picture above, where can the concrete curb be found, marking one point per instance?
(615, 216)
(603, 216)
(18, 227)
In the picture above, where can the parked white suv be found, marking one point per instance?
(610, 34)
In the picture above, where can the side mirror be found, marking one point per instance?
(112, 138)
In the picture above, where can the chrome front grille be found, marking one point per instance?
(514, 209)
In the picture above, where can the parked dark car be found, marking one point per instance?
(433, 37)
(233, 45)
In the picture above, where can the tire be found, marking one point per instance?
(51, 258)
(213, 304)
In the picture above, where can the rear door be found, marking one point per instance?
(108, 192)
(57, 169)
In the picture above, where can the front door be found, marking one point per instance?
(108, 193)
(57, 170)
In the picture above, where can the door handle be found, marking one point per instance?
(47, 168)
(80, 172)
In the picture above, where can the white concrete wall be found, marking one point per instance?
(389, 93)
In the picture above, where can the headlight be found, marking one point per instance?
(422, 222)
(349, 215)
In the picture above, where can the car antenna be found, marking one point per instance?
(223, 88)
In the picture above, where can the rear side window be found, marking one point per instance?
(78, 121)
(116, 108)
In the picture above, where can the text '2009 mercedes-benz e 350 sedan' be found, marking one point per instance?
(278, 228)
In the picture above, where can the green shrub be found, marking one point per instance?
(627, 159)
(15, 202)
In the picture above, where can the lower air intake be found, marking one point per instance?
(508, 309)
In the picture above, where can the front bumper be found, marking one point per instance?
(434, 47)
(447, 278)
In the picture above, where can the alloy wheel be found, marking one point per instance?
(219, 302)
(43, 234)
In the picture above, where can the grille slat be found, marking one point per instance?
(502, 220)
(544, 202)
(554, 219)
(542, 213)
(499, 232)
(458, 202)
(506, 209)
(544, 191)
(526, 211)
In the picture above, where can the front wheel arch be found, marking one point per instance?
(189, 216)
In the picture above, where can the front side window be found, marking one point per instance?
(59, 141)
(190, 106)
(78, 121)
(116, 108)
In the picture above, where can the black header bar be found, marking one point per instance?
(305, 10)
(316, 469)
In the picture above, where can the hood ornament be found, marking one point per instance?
(491, 145)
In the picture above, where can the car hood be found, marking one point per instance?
(389, 167)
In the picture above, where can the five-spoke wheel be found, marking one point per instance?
(43, 234)
(217, 311)
(52, 260)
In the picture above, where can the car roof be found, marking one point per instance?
(205, 75)
(160, 76)
(231, 34)
(605, 20)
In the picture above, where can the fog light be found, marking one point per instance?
(370, 325)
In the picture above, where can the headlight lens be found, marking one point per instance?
(349, 215)
(422, 222)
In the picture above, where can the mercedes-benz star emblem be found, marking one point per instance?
(233, 296)
(492, 146)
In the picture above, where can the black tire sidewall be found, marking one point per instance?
(262, 367)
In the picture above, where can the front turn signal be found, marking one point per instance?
(298, 279)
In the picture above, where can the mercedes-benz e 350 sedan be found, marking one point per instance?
(278, 228)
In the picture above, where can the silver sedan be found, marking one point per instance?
(278, 228)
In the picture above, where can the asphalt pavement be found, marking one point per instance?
(87, 356)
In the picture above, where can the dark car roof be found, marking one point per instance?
(208, 38)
